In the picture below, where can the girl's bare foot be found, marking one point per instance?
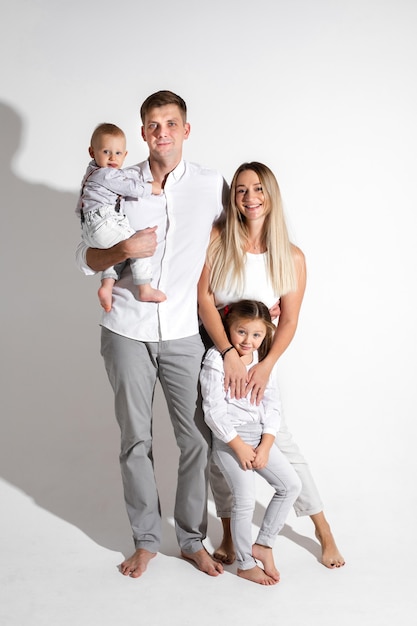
(265, 555)
(204, 562)
(226, 551)
(330, 555)
(135, 565)
(149, 294)
(256, 575)
(105, 295)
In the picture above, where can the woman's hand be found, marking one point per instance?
(275, 310)
(258, 377)
(235, 375)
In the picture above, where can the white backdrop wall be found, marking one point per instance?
(325, 93)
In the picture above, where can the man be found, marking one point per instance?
(143, 341)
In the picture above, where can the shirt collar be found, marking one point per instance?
(176, 173)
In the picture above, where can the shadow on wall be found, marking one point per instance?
(58, 439)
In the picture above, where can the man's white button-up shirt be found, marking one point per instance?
(193, 198)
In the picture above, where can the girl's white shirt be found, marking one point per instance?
(224, 414)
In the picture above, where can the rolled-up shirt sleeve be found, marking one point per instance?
(81, 261)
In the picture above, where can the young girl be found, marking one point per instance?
(243, 437)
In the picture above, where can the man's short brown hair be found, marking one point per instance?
(160, 99)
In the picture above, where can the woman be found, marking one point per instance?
(251, 257)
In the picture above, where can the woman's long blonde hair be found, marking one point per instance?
(226, 254)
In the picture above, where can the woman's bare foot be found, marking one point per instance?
(330, 555)
(135, 565)
(265, 555)
(256, 575)
(105, 296)
(226, 551)
(204, 562)
(149, 294)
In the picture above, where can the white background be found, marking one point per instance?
(325, 93)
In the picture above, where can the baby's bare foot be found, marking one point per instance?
(265, 555)
(135, 565)
(105, 296)
(256, 575)
(149, 294)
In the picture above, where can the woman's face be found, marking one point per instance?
(249, 196)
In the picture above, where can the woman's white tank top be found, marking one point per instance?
(256, 281)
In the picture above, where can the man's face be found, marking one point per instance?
(164, 130)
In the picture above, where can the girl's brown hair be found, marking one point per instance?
(251, 310)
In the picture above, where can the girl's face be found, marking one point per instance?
(247, 335)
(249, 196)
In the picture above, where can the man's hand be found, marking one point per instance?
(142, 244)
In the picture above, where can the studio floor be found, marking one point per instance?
(59, 562)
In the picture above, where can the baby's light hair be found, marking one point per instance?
(251, 310)
(106, 129)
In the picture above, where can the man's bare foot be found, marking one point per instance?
(105, 295)
(265, 555)
(330, 555)
(149, 294)
(204, 562)
(135, 565)
(226, 551)
(256, 575)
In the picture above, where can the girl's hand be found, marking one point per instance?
(262, 457)
(258, 377)
(262, 452)
(235, 375)
(244, 452)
